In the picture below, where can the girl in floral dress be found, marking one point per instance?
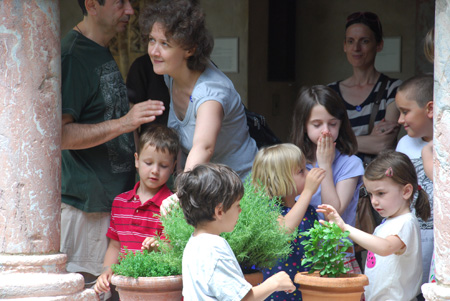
(281, 171)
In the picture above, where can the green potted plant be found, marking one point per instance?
(324, 254)
(257, 240)
(148, 276)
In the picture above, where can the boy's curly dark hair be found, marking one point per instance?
(205, 187)
(184, 22)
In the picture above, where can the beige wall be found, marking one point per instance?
(229, 19)
(70, 15)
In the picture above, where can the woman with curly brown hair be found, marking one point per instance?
(205, 108)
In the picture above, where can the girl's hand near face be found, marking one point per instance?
(325, 150)
(313, 180)
(298, 208)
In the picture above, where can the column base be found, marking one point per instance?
(40, 277)
(435, 292)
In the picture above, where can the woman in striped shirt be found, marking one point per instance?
(363, 40)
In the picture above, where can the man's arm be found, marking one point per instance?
(81, 136)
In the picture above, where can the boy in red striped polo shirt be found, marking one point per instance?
(133, 221)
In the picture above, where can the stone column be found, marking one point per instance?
(441, 175)
(30, 155)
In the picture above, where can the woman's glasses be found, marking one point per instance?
(368, 16)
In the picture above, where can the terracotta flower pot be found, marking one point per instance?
(255, 278)
(346, 288)
(148, 288)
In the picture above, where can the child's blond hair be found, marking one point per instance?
(274, 166)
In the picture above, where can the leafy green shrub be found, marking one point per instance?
(324, 249)
(145, 264)
(166, 262)
(257, 240)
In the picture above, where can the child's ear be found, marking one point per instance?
(174, 165)
(407, 191)
(218, 211)
(136, 160)
(429, 107)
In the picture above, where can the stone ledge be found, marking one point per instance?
(86, 295)
(27, 285)
(54, 263)
(435, 292)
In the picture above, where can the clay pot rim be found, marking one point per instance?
(130, 281)
(347, 280)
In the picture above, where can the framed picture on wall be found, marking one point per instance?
(226, 54)
(389, 59)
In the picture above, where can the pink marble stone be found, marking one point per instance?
(40, 276)
(30, 116)
(30, 156)
(441, 120)
(33, 263)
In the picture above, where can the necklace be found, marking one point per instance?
(76, 26)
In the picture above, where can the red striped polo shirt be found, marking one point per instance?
(131, 222)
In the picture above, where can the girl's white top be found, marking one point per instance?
(396, 277)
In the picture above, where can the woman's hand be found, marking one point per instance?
(331, 215)
(325, 150)
(383, 135)
(385, 128)
(150, 244)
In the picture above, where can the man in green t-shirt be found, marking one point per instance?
(97, 133)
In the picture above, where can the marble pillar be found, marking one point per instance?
(30, 155)
(441, 174)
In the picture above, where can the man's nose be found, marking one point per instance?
(129, 8)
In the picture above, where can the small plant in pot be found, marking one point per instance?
(324, 254)
(258, 242)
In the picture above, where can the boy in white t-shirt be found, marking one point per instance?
(414, 100)
(210, 197)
